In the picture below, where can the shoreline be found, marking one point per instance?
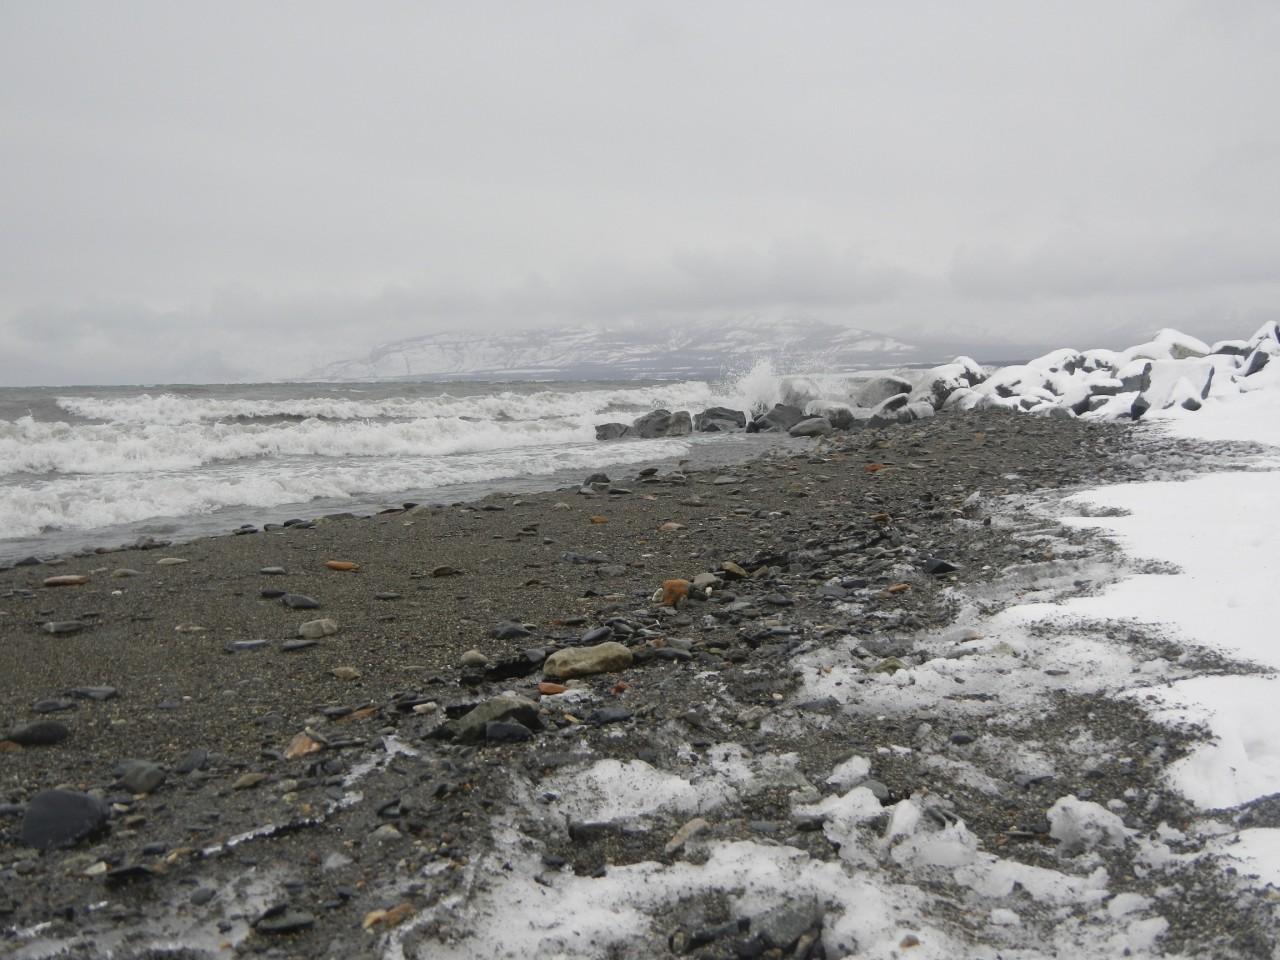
(405, 631)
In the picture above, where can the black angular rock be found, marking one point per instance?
(61, 818)
(298, 601)
(937, 566)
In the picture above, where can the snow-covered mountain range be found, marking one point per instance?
(685, 349)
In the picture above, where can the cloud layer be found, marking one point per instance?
(243, 191)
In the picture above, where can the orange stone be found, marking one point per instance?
(362, 714)
(301, 746)
(673, 591)
(549, 689)
(671, 527)
(597, 519)
(880, 518)
(620, 687)
(341, 565)
(874, 467)
(8, 746)
(66, 580)
(898, 588)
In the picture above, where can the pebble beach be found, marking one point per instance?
(313, 739)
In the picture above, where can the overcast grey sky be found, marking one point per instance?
(202, 191)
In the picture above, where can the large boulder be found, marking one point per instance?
(812, 427)
(714, 419)
(939, 383)
(1169, 344)
(876, 391)
(1161, 387)
(612, 431)
(891, 410)
(662, 423)
(681, 424)
(1265, 351)
(840, 415)
(781, 417)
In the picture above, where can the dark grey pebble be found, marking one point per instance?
(192, 760)
(298, 601)
(270, 594)
(598, 635)
(273, 571)
(140, 776)
(388, 595)
(94, 693)
(499, 731)
(129, 873)
(243, 646)
(57, 627)
(202, 895)
(61, 818)
(510, 630)
(55, 705)
(292, 646)
(960, 738)
(609, 715)
(584, 557)
(41, 733)
(284, 921)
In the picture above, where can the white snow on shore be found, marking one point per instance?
(1218, 530)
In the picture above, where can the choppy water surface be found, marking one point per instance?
(86, 466)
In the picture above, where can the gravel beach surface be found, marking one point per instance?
(312, 740)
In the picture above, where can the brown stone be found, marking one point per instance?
(66, 580)
(341, 565)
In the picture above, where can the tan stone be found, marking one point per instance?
(584, 661)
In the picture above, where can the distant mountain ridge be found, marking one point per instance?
(693, 349)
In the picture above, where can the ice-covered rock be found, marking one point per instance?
(1080, 826)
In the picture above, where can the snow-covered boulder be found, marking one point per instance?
(1169, 344)
(1163, 377)
(876, 391)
